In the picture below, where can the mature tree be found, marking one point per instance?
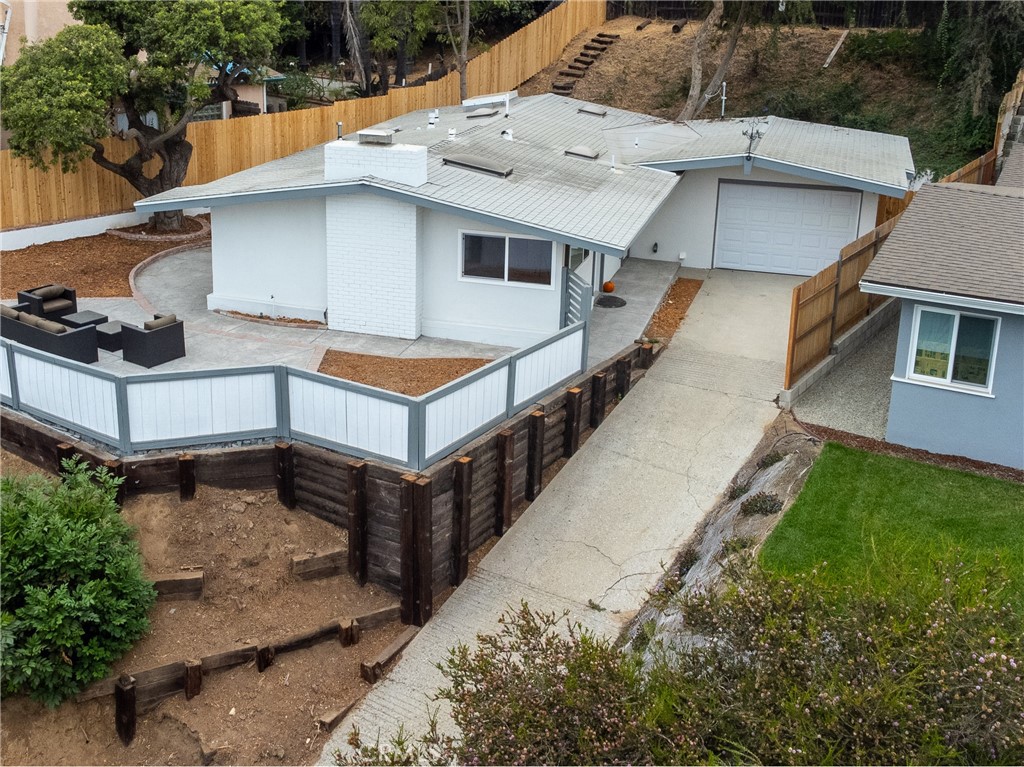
(697, 100)
(457, 21)
(159, 63)
(396, 28)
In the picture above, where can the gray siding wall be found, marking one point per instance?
(945, 421)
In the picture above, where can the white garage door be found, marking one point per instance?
(783, 229)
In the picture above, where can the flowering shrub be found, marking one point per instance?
(786, 671)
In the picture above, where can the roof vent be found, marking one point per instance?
(593, 109)
(482, 112)
(479, 164)
(375, 136)
(582, 150)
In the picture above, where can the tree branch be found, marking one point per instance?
(696, 61)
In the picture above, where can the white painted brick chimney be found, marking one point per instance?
(401, 163)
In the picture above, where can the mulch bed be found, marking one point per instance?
(406, 375)
(190, 225)
(957, 462)
(674, 306)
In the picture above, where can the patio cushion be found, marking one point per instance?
(160, 322)
(51, 327)
(28, 318)
(49, 291)
(57, 305)
(8, 311)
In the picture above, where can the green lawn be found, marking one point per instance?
(878, 521)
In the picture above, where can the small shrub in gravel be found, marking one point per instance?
(738, 491)
(762, 504)
(770, 459)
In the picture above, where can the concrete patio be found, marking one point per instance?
(179, 284)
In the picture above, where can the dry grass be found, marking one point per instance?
(674, 306)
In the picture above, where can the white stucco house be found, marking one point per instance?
(460, 222)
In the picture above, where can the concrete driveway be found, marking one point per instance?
(599, 535)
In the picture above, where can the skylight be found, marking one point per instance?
(479, 164)
(592, 109)
(582, 150)
(482, 112)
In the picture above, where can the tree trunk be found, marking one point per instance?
(723, 67)
(400, 68)
(697, 60)
(168, 220)
(464, 51)
(335, 15)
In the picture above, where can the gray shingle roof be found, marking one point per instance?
(959, 239)
(1012, 174)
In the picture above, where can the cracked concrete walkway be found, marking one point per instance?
(625, 503)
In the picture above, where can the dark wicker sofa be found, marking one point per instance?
(17, 324)
(159, 340)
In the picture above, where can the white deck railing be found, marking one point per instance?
(197, 407)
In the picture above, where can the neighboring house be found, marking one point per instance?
(253, 98)
(458, 222)
(956, 262)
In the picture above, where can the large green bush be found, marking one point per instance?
(777, 670)
(73, 594)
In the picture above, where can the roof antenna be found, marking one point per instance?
(506, 105)
(613, 162)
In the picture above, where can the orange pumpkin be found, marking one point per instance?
(608, 287)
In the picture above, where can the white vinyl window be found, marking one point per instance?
(506, 258)
(953, 348)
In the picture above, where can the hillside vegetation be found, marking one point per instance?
(884, 81)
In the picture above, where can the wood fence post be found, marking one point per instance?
(506, 456)
(284, 453)
(573, 416)
(357, 559)
(65, 452)
(598, 398)
(462, 503)
(835, 300)
(623, 376)
(534, 454)
(193, 678)
(264, 657)
(424, 503)
(124, 708)
(116, 468)
(794, 314)
(186, 477)
(407, 564)
(646, 356)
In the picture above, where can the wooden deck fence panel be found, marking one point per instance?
(30, 197)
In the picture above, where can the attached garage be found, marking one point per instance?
(782, 228)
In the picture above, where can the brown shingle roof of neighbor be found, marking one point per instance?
(1012, 174)
(957, 239)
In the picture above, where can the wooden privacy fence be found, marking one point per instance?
(411, 533)
(979, 171)
(830, 303)
(29, 197)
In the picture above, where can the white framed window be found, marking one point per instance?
(953, 349)
(508, 258)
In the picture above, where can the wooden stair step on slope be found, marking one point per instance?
(600, 41)
(583, 61)
(576, 67)
(595, 47)
(570, 73)
(592, 55)
(610, 37)
(563, 87)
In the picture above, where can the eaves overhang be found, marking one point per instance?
(946, 299)
(367, 185)
(781, 166)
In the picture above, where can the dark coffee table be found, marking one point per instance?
(108, 335)
(81, 319)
